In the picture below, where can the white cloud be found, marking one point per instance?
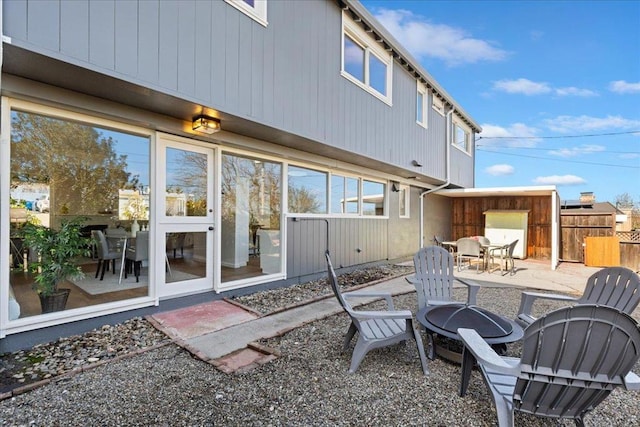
(494, 135)
(574, 91)
(584, 124)
(629, 156)
(621, 86)
(529, 87)
(425, 39)
(576, 151)
(559, 180)
(500, 170)
(523, 86)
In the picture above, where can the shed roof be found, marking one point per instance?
(541, 190)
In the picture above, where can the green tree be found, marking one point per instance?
(81, 167)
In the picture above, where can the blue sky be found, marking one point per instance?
(539, 75)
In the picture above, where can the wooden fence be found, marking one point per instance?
(629, 249)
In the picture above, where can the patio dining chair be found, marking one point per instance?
(617, 287)
(572, 359)
(505, 253)
(469, 249)
(375, 329)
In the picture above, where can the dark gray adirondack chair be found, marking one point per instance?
(375, 328)
(434, 278)
(572, 359)
(616, 287)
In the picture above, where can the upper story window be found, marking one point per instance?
(461, 136)
(421, 104)
(255, 9)
(438, 104)
(364, 62)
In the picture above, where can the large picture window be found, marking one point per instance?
(63, 170)
(364, 62)
(307, 190)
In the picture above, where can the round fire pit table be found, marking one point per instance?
(445, 320)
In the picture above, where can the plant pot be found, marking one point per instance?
(54, 302)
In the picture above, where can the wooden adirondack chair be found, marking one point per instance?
(616, 287)
(375, 328)
(572, 359)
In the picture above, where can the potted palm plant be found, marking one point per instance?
(57, 254)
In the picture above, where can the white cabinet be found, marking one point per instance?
(505, 226)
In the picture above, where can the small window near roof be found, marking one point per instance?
(438, 105)
(421, 104)
(461, 136)
(365, 62)
(255, 9)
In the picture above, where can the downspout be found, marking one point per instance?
(447, 145)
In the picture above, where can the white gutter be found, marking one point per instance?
(447, 148)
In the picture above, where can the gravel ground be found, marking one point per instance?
(306, 386)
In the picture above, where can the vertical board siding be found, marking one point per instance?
(149, 42)
(74, 19)
(168, 45)
(285, 75)
(307, 242)
(43, 24)
(126, 37)
(102, 33)
(186, 71)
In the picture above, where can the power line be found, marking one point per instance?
(559, 137)
(562, 160)
(554, 149)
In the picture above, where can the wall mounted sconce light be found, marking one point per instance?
(206, 124)
(395, 186)
(416, 163)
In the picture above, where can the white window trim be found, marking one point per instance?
(422, 89)
(457, 123)
(438, 105)
(370, 46)
(407, 201)
(258, 13)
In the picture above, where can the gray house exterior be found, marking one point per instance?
(330, 136)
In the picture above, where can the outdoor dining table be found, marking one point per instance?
(451, 244)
